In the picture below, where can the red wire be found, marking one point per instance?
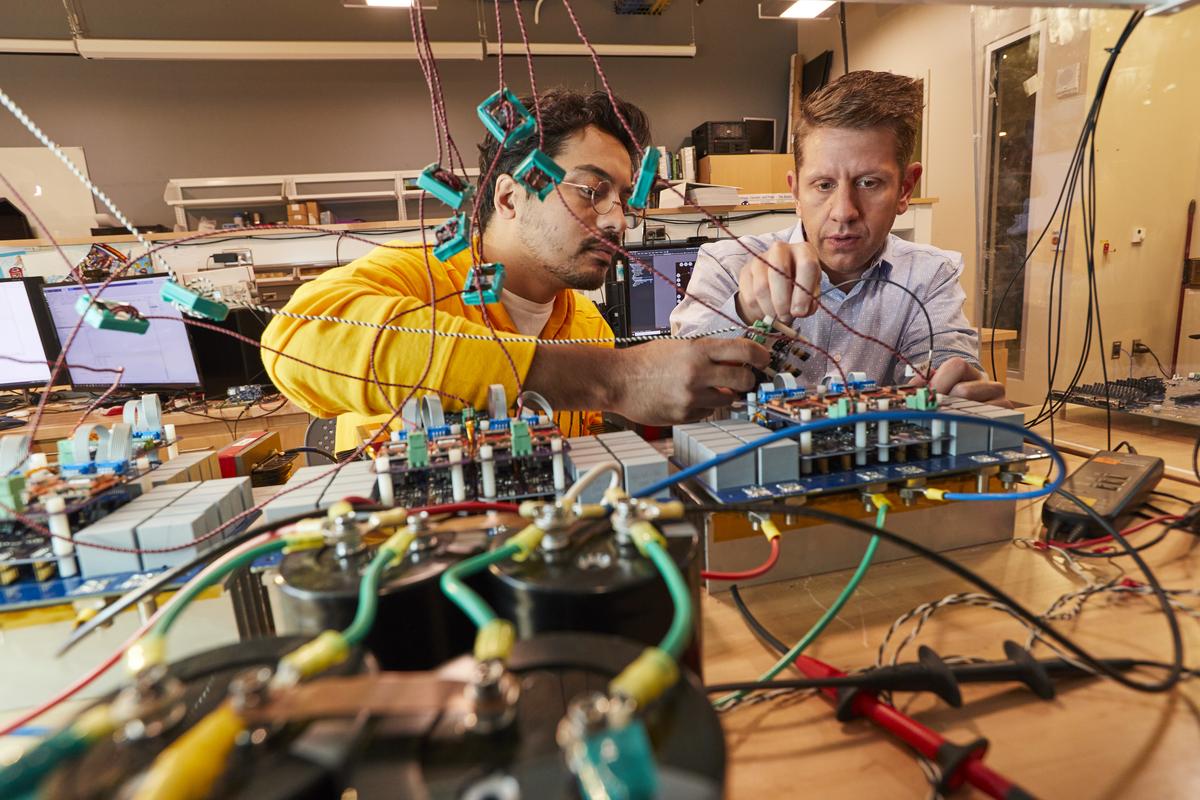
(70, 691)
(1102, 539)
(761, 569)
(107, 663)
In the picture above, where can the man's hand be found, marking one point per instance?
(784, 290)
(668, 382)
(663, 382)
(957, 378)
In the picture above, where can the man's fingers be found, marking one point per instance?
(737, 351)
(749, 306)
(981, 392)
(952, 372)
(806, 280)
(709, 399)
(780, 280)
(738, 378)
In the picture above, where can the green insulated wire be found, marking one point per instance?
(680, 631)
(831, 612)
(462, 595)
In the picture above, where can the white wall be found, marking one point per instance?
(1148, 150)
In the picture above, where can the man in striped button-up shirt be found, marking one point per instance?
(853, 177)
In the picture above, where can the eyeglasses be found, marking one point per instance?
(604, 198)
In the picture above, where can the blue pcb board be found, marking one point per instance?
(29, 593)
(876, 474)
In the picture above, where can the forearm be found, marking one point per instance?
(576, 377)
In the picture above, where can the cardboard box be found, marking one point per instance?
(758, 173)
(296, 208)
(314, 213)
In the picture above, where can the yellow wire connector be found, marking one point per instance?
(1033, 480)
(339, 509)
(306, 539)
(935, 494)
(188, 768)
(880, 500)
(528, 540)
(643, 532)
(649, 675)
(769, 529)
(389, 518)
(495, 640)
(147, 652)
(398, 543)
(328, 649)
(590, 510)
(95, 722)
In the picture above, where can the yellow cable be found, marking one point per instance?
(188, 769)
(647, 677)
(148, 651)
(528, 540)
(495, 641)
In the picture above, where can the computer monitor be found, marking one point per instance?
(649, 300)
(227, 361)
(160, 358)
(29, 334)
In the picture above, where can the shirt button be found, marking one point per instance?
(838, 358)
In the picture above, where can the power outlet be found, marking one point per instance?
(1137, 348)
(1116, 351)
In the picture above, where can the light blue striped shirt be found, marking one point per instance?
(871, 307)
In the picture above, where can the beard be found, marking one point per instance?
(577, 270)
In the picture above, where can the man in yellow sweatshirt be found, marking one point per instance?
(548, 256)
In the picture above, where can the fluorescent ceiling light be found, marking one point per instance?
(428, 5)
(803, 9)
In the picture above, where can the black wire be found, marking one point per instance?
(318, 450)
(759, 630)
(1174, 526)
(917, 300)
(860, 679)
(845, 45)
(1195, 455)
(988, 587)
(1161, 369)
(1174, 497)
(1074, 176)
(1128, 446)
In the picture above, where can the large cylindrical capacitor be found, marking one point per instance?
(416, 627)
(200, 683)
(594, 583)
(524, 760)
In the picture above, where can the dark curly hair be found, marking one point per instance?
(563, 112)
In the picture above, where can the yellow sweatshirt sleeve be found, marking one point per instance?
(382, 289)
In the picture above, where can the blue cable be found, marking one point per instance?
(881, 416)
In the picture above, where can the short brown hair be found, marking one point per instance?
(862, 100)
(563, 112)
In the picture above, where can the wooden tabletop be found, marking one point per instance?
(212, 426)
(1082, 430)
(1095, 740)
